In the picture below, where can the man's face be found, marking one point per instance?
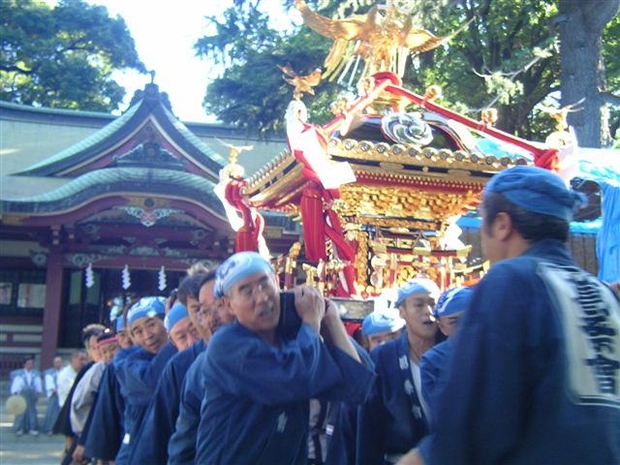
(416, 311)
(108, 351)
(255, 302)
(29, 364)
(448, 324)
(124, 340)
(78, 361)
(211, 313)
(183, 334)
(149, 333)
(375, 340)
(93, 350)
(57, 363)
(193, 308)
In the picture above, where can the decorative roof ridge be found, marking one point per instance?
(55, 111)
(89, 141)
(264, 173)
(132, 176)
(147, 104)
(193, 139)
(412, 154)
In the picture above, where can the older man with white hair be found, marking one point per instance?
(259, 380)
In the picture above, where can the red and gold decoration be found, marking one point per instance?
(379, 188)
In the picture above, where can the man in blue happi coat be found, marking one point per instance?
(534, 375)
(396, 416)
(182, 443)
(142, 368)
(206, 311)
(380, 327)
(449, 310)
(106, 430)
(160, 417)
(339, 427)
(258, 383)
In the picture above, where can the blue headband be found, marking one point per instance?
(177, 313)
(536, 190)
(453, 301)
(237, 267)
(416, 286)
(119, 323)
(378, 323)
(146, 306)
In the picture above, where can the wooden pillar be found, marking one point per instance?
(51, 314)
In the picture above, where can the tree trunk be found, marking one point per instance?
(582, 67)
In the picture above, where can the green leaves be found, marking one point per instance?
(63, 57)
(506, 57)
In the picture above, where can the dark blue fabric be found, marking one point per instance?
(257, 396)
(341, 445)
(432, 364)
(160, 419)
(182, 443)
(392, 421)
(142, 371)
(343, 423)
(509, 395)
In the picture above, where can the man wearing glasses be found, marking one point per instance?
(258, 383)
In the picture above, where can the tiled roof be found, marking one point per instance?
(95, 138)
(117, 181)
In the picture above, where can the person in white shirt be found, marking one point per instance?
(27, 383)
(85, 392)
(50, 385)
(67, 375)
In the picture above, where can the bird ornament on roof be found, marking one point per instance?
(302, 84)
(383, 38)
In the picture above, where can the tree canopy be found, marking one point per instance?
(63, 57)
(507, 56)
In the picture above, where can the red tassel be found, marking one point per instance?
(244, 240)
(314, 224)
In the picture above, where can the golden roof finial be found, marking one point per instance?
(488, 116)
(234, 150)
(432, 92)
(559, 115)
(302, 84)
(383, 38)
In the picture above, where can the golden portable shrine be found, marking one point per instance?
(379, 188)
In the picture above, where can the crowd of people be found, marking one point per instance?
(523, 367)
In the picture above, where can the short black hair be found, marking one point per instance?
(191, 284)
(532, 226)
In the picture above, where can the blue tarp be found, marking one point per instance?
(608, 240)
(586, 227)
(603, 167)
